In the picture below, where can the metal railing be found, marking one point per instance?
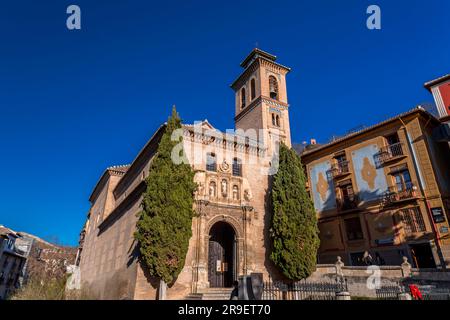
(347, 203)
(390, 152)
(400, 193)
(428, 292)
(304, 290)
(339, 169)
(389, 292)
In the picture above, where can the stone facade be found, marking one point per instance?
(233, 174)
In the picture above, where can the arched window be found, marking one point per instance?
(212, 189)
(252, 89)
(211, 163)
(243, 98)
(237, 167)
(273, 120)
(277, 120)
(235, 192)
(273, 87)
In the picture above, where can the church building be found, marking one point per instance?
(233, 172)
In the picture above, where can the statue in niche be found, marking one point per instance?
(247, 195)
(200, 188)
(235, 193)
(212, 189)
(224, 187)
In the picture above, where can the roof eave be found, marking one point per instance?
(370, 128)
(428, 85)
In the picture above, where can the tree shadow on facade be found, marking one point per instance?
(134, 255)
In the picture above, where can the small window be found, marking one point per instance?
(392, 139)
(353, 229)
(237, 167)
(341, 158)
(402, 181)
(211, 163)
(252, 89)
(277, 120)
(273, 119)
(243, 102)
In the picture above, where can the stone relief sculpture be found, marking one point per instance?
(200, 188)
(224, 167)
(247, 195)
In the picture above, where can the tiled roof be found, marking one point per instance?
(4, 231)
(416, 109)
(120, 168)
(259, 52)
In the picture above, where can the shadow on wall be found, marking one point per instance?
(153, 281)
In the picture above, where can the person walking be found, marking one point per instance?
(235, 293)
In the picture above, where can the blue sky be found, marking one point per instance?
(75, 102)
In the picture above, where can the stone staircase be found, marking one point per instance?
(211, 294)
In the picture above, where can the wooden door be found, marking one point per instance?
(215, 259)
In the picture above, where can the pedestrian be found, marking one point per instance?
(235, 292)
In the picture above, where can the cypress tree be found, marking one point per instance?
(294, 229)
(164, 226)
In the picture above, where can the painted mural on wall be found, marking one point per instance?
(322, 187)
(371, 181)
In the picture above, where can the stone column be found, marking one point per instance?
(246, 217)
(199, 278)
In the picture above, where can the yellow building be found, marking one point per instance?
(385, 190)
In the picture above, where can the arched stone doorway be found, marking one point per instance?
(222, 255)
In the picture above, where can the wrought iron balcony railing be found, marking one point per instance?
(339, 168)
(390, 152)
(347, 203)
(400, 193)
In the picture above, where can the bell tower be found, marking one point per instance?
(261, 98)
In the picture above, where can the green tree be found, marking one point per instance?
(294, 229)
(164, 225)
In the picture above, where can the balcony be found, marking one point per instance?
(347, 203)
(400, 193)
(390, 153)
(339, 169)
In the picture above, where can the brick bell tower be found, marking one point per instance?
(261, 98)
